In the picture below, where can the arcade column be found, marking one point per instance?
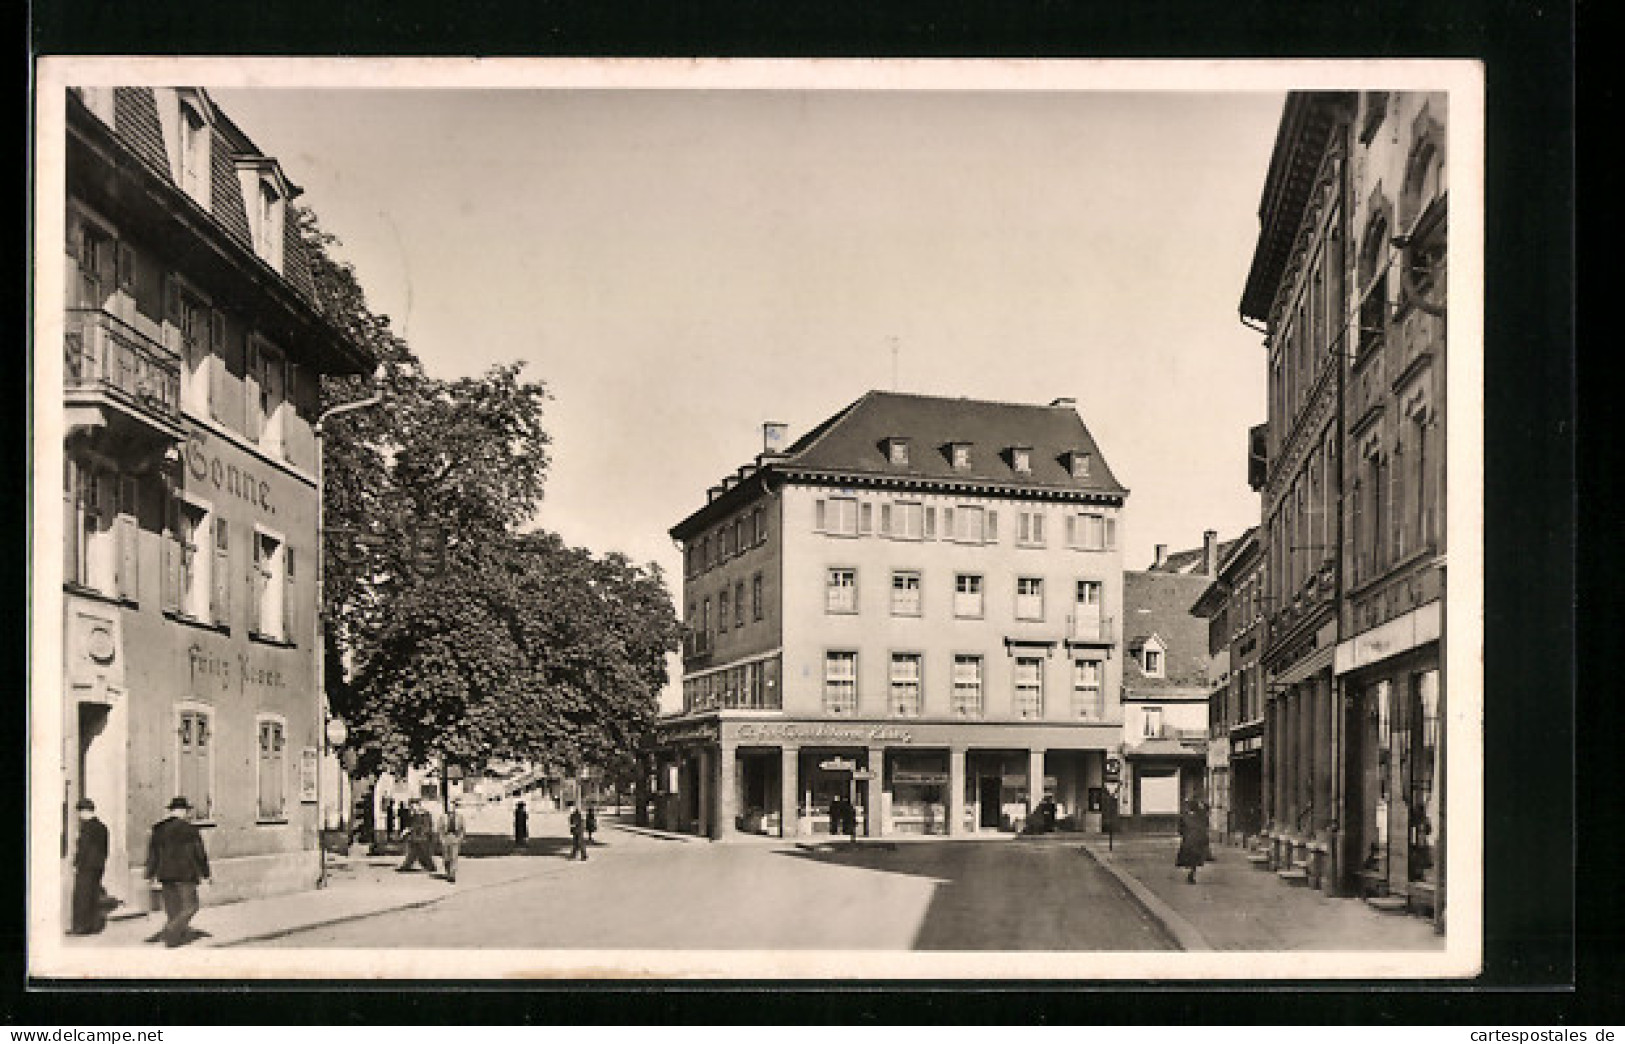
(876, 816)
(726, 824)
(789, 790)
(956, 791)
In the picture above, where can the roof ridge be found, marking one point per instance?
(823, 428)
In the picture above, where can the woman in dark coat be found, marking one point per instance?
(1193, 840)
(521, 825)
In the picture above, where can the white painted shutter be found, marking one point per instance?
(220, 600)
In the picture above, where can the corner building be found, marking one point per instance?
(917, 605)
(193, 350)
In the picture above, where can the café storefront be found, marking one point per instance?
(723, 774)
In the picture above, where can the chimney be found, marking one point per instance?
(1162, 556)
(1210, 552)
(773, 437)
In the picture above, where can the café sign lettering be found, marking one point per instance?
(755, 732)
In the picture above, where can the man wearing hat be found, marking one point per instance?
(177, 860)
(89, 859)
(452, 832)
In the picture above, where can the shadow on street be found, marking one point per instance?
(1016, 896)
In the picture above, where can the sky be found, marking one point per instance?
(681, 265)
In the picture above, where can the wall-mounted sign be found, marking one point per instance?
(919, 779)
(1114, 769)
(690, 734)
(224, 477)
(307, 775)
(759, 731)
(838, 765)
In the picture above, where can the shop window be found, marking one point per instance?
(1029, 702)
(840, 682)
(905, 593)
(1424, 764)
(905, 684)
(1087, 699)
(194, 760)
(1029, 598)
(841, 591)
(967, 686)
(968, 595)
(272, 769)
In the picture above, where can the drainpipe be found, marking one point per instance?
(320, 688)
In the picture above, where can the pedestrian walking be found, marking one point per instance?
(417, 829)
(177, 860)
(1193, 838)
(89, 860)
(452, 832)
(389, 819)
(592, 824)
(578, 834)
(521, 825)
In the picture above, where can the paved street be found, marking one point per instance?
(644, 891)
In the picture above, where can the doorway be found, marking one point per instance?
(990, 798)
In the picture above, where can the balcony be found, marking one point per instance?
(1090, 630)
(117, 378)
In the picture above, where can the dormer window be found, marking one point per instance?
(193, 153)
(897, 451)
(1021, 459)
(959, 454)
(268, 224)
(1077, 464)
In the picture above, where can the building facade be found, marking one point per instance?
(192, 355)
(1233, 608)
(917, 605)
(1166, 685)
(1348, 281)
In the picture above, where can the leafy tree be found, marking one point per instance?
(520, 647)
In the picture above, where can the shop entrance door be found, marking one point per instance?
(990, 792)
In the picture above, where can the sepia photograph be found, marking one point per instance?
(610, 519)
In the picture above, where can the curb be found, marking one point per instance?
(659, 835)
(1185, 934)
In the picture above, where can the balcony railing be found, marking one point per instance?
(1091, 630)
(101, 353)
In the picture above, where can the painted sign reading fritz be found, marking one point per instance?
(207, 666)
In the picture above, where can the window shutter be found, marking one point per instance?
(254, 416)
(992, 527)
(819, 509)
(172, 305)
(127, 529)
(170, 581)
(1361, 539)
(216, 362)
(1071, 530)
(70, 526)
(125, 275)
(220, 602)
(866, 518)
(1111, 532)
(948, 523)
(1038, 527)
(885, 520)
(1396, 504)
(931, 522)
(287, 594)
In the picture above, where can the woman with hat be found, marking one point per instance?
(177, 860)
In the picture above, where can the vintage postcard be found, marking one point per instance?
(650, 519)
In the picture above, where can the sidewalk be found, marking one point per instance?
(358, 886)
(1234, 906)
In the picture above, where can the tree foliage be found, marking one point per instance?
(520, 647)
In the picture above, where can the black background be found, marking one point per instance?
(1543, 964)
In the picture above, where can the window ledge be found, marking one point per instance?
(188, 620)
(272, 821)
(271, 639)
(98, 595)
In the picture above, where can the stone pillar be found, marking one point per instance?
(727, 792)
(875, 814)
(1035, 779)
(789, 790)
(956, 791)
(705, 799)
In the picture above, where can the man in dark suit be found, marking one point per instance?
(89, 859)
(578, 834)
(177, 860)
(418, 829)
